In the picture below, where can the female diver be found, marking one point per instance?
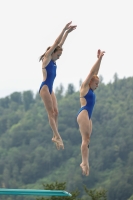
(87, 101)
(49, 73)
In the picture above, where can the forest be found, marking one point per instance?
(29, 159)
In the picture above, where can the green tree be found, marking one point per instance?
(27, 99)
(96, 194)
(28, 157)
(16, 97)
(131, 198)
(59, 92)
(4, 102)
(70, 89)
(59, 186)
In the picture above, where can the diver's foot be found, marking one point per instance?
(98, 53)
(58, 142)
(85, 169)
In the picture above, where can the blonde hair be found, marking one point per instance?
(94, 77)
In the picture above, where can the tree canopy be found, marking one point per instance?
(28, 158)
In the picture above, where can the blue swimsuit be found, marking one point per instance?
(51, 74)
(90, 99)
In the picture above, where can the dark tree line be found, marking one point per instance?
(28, 158)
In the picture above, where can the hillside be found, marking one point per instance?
(28, 158)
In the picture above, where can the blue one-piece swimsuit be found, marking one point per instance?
(51, 74)
(90, 99)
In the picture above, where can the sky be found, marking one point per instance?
(28, 27)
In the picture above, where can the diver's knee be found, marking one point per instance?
(85, 143)
(56, 113)
(51, 114)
